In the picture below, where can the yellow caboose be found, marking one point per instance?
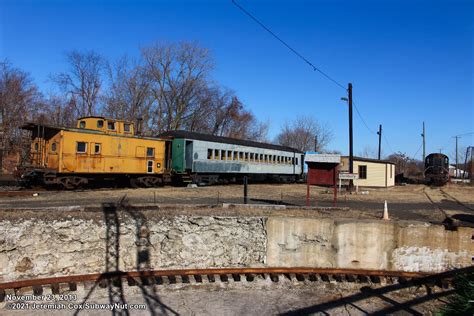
(98, 149)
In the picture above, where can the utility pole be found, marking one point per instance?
(380, 138)
(456, 171)
(423, 135)
(351, 150)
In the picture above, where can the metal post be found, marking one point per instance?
(423, 135)
(380, 138)
(245, 189)
(456, 171)
(334, 203)
(307, 194)
(351, 151)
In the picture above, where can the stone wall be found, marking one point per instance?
(42, 246)
(39, 248)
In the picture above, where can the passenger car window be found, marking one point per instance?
(209, 154)
(150, 152)
(81, 147)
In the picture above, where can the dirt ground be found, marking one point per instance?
(410, 202)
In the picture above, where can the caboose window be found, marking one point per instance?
(149, 168)
(111, 125)
(53, 147)
(82, 124)
(81, 147)
(97, 149)
(150, 152)
(362, 172)
(126, 128)
(100, 123)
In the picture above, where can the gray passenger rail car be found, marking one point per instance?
(209, 159)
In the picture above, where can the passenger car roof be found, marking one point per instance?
(226, 140)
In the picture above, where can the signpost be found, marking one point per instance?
(347, 176)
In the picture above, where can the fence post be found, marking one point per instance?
(245, 189)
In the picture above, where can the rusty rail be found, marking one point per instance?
(133, 277)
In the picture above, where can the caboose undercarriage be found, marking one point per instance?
(51, 179)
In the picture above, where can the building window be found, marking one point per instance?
(100, 123)
(82, 124)
(209, 154)
(81, 147)
(53, 147)
(150, 152)
(149, 168)
(96, 149)
(111, 126)
(126, 128)
(362, 172)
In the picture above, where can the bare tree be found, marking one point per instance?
(178, 76)
(129, 95)
(82, 83)
(370, 152)
(301, 133)
(18, 100)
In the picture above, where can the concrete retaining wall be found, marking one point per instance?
(367, 244)
(38, 247)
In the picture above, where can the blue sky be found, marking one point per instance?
(409, 61)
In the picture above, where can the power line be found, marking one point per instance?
(386, 141)
(465, 134)
(414, 156)
(362, 119)
(287, 45)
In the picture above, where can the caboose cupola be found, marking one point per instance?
(106, 125)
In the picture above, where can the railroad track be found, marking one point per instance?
(62, 284)
(446, 194)
(437, 205)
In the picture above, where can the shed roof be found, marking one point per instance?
(226, 140)
(356, 158)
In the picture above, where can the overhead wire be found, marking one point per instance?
(288, 46)
(308, 62)
(414, 156)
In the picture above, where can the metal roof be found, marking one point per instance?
(369, 159)
(226, 140)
